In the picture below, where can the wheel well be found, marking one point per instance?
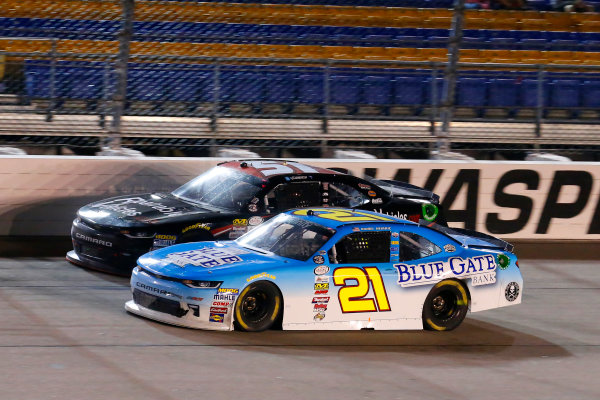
(279, 321)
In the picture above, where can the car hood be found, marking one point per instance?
(207, 260)
(143, 209)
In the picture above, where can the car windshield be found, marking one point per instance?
(221, 187)
(288, 236)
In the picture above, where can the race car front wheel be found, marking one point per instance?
(259, 307)
(446, 306)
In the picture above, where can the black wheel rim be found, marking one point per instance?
(255, 306)
(444, 305)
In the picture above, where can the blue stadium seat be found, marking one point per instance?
(242, 87)
(564, 45)
(590, 96)
(310, 88)
(409, 91)
(529, 95)
(377, 90)
(471, 92)
(565, 93)
(503, 93)
(281, 87)
(345, 89)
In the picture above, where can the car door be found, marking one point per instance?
(360, 271)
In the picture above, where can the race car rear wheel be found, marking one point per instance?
(259, 307)
(446, 306)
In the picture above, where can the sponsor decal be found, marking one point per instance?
(395, 242)
(299, 177)
(322, 252)
(121, 206)
(319, 259)
(227, 290)
(196, 226)
(449, 248)
(256, 220)
(321, 292)
(206, 257)
(394, 249)
(158, 243)
(321, 270)
(252, 207)
(325, 200)
(320, 307)
(396, 214)
(378, 200)
(261, 275)
(368, 228)
(383, 228)
(221, 303)
(503, 261)
(319, 317)
(355, 229)
(234, 234)
(240, 222)
(161, 292)
(93, 240)
(195, 298)
(165, 237)
(481, 270)
(216, 317)
(321, 286)
(363, 186)
(322, 279)
(395, 234)
(219, 310)
(512, 291)
(371, 193)
(325, 194)
(224, 297)
(254, 200)
(430, 211)
(320, 300)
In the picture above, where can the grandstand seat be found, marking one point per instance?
(528, 97)
(408, 95)
(281, 87)
(533, 44)
(344, 90)
(565, 96)
(377, 90)
(242, 91)
(502, 43)
(590, 99)
(564, 45)
(471, 96)
(503, 95)
(310, 93)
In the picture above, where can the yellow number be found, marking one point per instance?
(352, 297)
(343, 215)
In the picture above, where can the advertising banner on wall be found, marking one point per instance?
(514, 200)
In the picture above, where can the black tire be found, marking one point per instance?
(259, 307)
(446, 306)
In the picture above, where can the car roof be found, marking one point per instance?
(333, 217)
(268, 168)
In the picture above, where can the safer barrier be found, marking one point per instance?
(514, 200)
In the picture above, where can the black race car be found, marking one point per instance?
(226, 202)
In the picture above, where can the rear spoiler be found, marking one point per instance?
(471, 239)
(408, 191)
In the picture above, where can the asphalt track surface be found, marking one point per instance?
(65, 335)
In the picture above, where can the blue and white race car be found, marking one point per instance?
(328, 268)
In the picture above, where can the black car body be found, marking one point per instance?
(224, 203)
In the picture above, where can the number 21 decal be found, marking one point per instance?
(353, 297)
